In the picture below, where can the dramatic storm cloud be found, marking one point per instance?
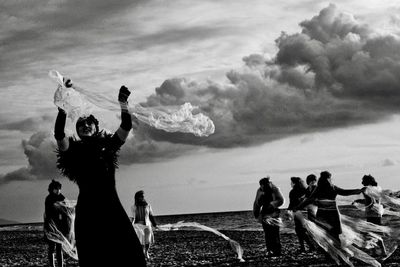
(336, 72)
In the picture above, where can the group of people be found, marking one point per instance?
(103, 231)
(55, 219)
(318, 200)
(110, 240)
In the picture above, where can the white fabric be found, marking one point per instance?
(143, 229)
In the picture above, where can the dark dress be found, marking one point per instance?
(328, 216)
(103, 231)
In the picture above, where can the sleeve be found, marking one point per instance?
(115, 143)
(62, 140)
(347, 192)
(133, 210)
(257, 203)
(126, 122)
(278, 199)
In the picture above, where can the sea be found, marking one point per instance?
(232, 220)
(229, 221)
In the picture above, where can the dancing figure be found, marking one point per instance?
(324, 195)
(103, 231)
(266, 209)
(373, 208)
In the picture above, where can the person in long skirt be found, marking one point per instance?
(328, 216)
(143, 221)
(103, 231)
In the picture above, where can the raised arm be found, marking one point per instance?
(347, 192)
(126, 120)
(62, 140)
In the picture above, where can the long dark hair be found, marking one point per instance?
(323, 181)
(139, 201)
(298, 183)
(369, 180)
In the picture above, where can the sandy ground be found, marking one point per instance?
(179, 248)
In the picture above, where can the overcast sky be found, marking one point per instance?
(292, 87)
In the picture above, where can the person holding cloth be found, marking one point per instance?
(103, 231)
(266, 209)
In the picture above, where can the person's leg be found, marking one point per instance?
(298, 227)
(146, 252)
(147, 242)
(59, 255)
(276, 240)
(267, 237)
(272, 239)
(50, 253)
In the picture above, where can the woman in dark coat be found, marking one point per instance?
(53, 217)
(296, 195)
(103, 231)
(328, 216)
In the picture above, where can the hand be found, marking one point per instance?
(67, 82)
(363, 189)
(123, 94)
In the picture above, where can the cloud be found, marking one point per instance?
(388, 162)
(29, 124)
(336, 72)
(39, 150)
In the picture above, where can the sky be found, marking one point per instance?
(293, 88)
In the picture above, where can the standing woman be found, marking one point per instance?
(103, 231)
(311, 185)
(296, 195)
(143, 219)
(328, 216)
(373, 207)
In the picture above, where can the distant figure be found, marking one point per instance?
(311, 185)
(103, 231)
(328, 216)
(143, 219)
(373, 208)
(296, 195)
(54, 217)
(266, 209)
